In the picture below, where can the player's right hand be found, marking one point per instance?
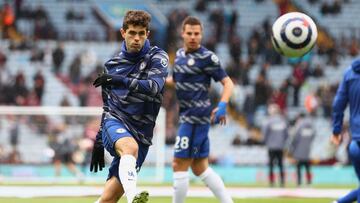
(102, 79)
(170, 81)
(97, 157)
(336, 139)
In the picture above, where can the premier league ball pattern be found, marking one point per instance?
(294, 34)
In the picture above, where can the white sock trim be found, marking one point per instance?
(181, 174)
(205, 173)
(128, 159)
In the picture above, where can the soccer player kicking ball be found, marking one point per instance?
(132, 88)
(349, 93)
(195, 66)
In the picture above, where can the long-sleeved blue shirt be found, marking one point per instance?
(348, 93)
(137, 101)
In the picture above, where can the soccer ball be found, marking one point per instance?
(294, 34)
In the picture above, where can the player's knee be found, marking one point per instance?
(179, 166)
(197, 171)
(128, 146)
(175, 165)
(129, 150)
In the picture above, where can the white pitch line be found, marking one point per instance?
(77, 191)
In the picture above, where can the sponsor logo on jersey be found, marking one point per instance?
(306, 132)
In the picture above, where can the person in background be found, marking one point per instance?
(301, 145)
(275, 132)
(195, 66)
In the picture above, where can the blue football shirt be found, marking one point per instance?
(192, 76)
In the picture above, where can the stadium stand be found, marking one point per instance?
(336, 22)
(85, 37)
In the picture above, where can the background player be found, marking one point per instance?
(349, 92)
(301, 145)
(275, 133)
(195, 66)
(132, 87)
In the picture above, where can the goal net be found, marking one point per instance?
(32, 137)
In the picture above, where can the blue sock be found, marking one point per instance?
(350, 197)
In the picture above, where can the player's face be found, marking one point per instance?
(192, 35)
(135, 37)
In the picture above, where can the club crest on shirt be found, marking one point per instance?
(214, 58)
(142, 65)
(191, 62)
(120, 130)
(164, 62)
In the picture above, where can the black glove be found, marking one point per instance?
(97, 157)
(103, 79)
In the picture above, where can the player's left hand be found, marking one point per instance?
(97, 157)
(218, 115)
(103, 79)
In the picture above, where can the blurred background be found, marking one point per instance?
(52, 50)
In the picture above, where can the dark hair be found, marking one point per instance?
(191, 20)
(136, 18)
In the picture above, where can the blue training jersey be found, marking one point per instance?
(137, 104)
(192, 76)
(348, 93)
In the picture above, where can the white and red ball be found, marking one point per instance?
(294, 34)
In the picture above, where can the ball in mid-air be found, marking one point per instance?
(294, 34)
